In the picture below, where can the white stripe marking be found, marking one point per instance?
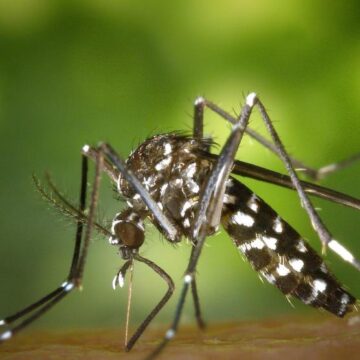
(163, 163)
(67, 286)
(170, 334)
(6, 335)
(229, 199)
(86, 149)
(270, 242)
(345, 299)
(344, 303)
(300, 246)
(257, 244)
(121, 280)
(278, 226)
(163, 189)
(199, 100)
(296, 264)
(191, 170)
(319, 285)
(282, 270)
(254, 244)
(114, 282)
(253, 204)
(187, 205)
(193, 186)
(243, 219)
(167, 148)
(188, 279)
(341, 251)
(250, 99)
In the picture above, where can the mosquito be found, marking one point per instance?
(186, 191)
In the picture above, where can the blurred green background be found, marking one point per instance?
(76, 72)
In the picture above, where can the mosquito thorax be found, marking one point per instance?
(171, 170)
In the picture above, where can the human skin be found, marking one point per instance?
(320, 337)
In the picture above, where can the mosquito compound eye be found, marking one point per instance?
(129, 234)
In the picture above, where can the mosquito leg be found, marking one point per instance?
(12, 318)
(198, 124)
(44, 304)
(259, 173)
(312, 173)
(77, 268)
(42, 307)
(195, 295)
(251, 170)
(273, 177)
(331, 168)
(158, 307)
(114, 163)
(318, 225)
(80, 225)
(277, 147)
(208, 213)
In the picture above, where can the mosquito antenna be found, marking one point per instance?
(128, 309)
(60, 203)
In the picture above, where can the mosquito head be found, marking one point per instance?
(127, 231)
(130, 234)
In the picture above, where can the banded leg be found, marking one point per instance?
(312, 173)
(41, 306)
(210, 203)
(323, 233)
(325, 236)
(139, 331)
(259, 173)
(198, 314)
(208, 213)
(112, 160)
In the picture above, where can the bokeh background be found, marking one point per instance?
(76, 72)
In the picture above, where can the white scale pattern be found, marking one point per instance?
(270, 242)
(296, 264)
(161, 165)
(282, 270)
(278, 226)
(253, 203)
(241, 218)
(318, 286)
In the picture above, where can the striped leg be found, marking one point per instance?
(310, 172)
(208, 213)
(207, 216)
(323, 233)
(26, 316)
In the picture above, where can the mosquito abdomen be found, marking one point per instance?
(278, 252)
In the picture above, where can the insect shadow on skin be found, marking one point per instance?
(175, 181)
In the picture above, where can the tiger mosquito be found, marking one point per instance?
(174, 181)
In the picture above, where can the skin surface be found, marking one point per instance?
(320, 337)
